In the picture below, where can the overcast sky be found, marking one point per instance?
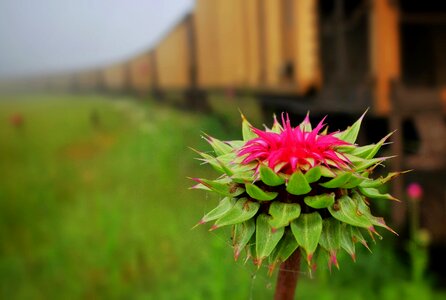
(55, 35)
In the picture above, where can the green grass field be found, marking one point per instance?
(94, 204)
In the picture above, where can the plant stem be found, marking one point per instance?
(287, 278)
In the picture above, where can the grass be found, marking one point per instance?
(94, 205)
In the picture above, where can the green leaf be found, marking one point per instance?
(370, 183)
(243, 177)
(331, 239)
(331, 235)
(313, 175)
(378, 146)
(242, 210)
(266, 238)
(369, 151)
(351, 133)
(364, 209)
(346, 210)
(375, 194)
(223, 207)
(361, 152)
(209, 159)
(297, 184)
(341, 179)
(277, 128)
(247, 132)
(320, 201)
(283, 213)
(269, 177)
(242, 235)
(361, 166)
(326, 172)
(200, 186)
(220, 148)
(307, 231)
(259, 194)
(306, 125)
(236, 144)
(354, 181)
(283, 250)
(224, 188)
(229, 158)
(347, 242)
(242, 173)
(358, 237)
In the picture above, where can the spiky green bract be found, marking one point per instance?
(286, 188)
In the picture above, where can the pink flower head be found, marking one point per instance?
(294, 148)
(415, 191)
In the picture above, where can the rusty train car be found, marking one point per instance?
(330, 55)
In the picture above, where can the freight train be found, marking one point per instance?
(326, 56)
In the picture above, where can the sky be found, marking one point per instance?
(44, 36)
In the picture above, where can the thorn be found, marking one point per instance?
(353, 255)
(309, 258)
(236, 253)
(242, 116)
(213, 227)
(201, 222)
(307, 117)
(207, 137)
(273, 230)
(364, 243)
(257, 262)
(271, 268)
(363, 115)
(333, 259)
(394, 199)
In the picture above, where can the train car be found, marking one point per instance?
(88, 81)
(227, 44)
(65, 82)
(115, 79)
(338, 55)
(173, 56)
(259, 45)
(141, 73)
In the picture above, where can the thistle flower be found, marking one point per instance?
(288, 189)
(414, 191)
(290, 148)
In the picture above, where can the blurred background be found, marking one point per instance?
(99, 102)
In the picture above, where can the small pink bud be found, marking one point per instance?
(415, 191)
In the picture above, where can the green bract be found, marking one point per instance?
(279, 196)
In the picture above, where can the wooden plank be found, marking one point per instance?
(385, 51)
(306, 45)
(228, 43)
(207, 43)
(173, 59)
(273, 41)
(291, 41)
(252, 49)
